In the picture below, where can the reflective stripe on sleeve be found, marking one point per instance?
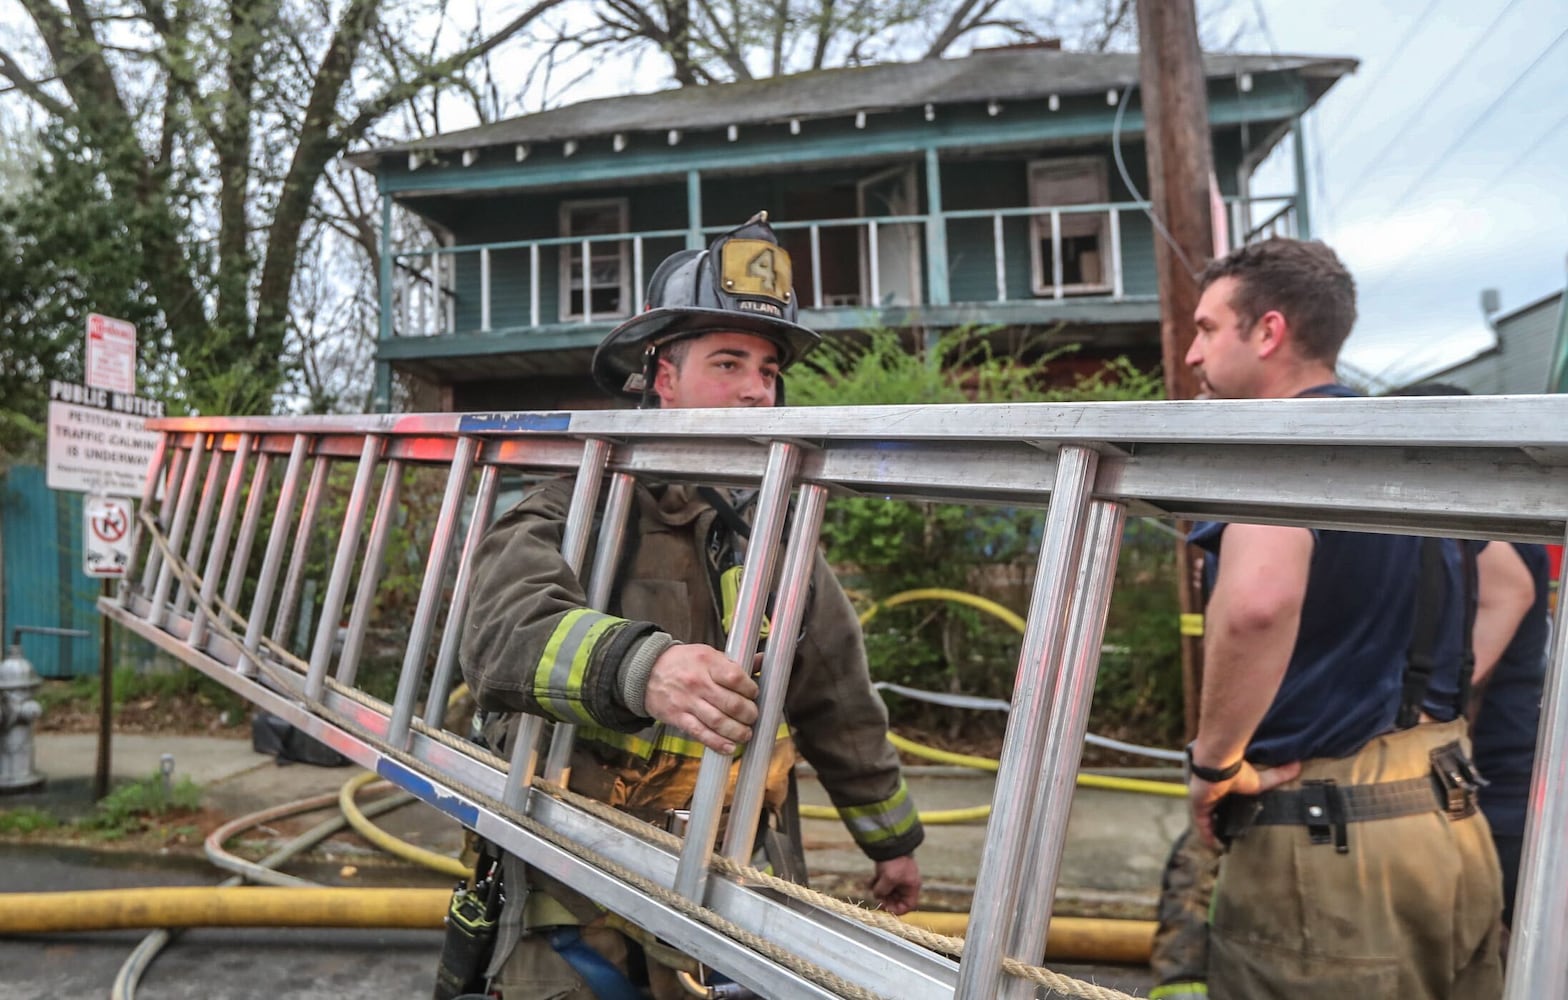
(880, 822)
(644, 742)
(558, 679)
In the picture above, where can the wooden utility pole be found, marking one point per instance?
(1181, 163)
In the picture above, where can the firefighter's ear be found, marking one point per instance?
(665, 375)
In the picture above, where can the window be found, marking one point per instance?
(608, 282)
(1085, 236)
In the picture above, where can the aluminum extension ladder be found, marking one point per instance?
(1488, 467)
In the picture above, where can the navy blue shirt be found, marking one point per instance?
(1442, 692)
(1342, 685)
(1510, 709)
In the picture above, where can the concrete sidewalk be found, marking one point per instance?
(1116, 841)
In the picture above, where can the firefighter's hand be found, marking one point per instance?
(896, 885)
(699, 690)
(1203, 796)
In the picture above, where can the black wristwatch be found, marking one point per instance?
(1212, 774)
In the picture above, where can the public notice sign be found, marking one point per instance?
(111, 354)
(106, 536)
(98, 440)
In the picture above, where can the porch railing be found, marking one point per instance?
(452, 289)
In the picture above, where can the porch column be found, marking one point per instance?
(1298, 136)
(381, 400)
(694, 239)
(936, 245)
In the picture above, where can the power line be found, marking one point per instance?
(1443, 220)
(1263, 23)
(1437, 161)
(1384, 373)
(1447, 78)
(1400, 48)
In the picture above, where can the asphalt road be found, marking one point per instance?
(240, 963)
(212, 964)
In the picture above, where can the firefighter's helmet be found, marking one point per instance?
(740, 284)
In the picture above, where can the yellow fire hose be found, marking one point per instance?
(1071, 938)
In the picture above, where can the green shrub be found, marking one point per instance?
(24, 820)
(128, 808)
(884, 547)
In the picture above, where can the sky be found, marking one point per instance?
(1438, 167)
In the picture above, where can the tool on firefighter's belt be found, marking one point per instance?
(471, 925)
(1457, 780)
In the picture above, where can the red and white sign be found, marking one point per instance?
(111, 354)
(106, 536)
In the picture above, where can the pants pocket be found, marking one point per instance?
(1255, 970)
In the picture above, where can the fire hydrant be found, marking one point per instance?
(18, 711)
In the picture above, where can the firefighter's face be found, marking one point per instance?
(1224, 354)
(719, 370)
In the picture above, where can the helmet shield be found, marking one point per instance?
(743, 283)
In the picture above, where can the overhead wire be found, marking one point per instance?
(1443, 220)
(1399, 48)
(1121, 168)
(1399, 133)
(1436, 162)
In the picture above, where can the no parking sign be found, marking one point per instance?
(106, 536)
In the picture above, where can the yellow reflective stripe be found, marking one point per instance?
(671, 741)
(881, 821)
(558, 678)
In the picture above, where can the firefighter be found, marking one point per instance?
(1358, 864)
(647, 682)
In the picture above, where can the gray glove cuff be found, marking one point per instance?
(636, 669)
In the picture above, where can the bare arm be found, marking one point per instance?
(1505, 594)
(1251, 626)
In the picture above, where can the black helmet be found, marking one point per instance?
(740, 284)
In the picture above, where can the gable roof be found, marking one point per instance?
(1013, 74)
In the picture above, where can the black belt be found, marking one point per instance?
(1326, 808)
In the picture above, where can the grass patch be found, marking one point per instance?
(24, 820)
(131, 686)
(132, 808)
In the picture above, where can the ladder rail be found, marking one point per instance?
(1064, 733)
(834, 942)
(446, 655)
(601, 583)
(1474, 467)
(762, 548)
(370, 565)
(220, 538)
(1024, 746)
(778, 661)
(425, 610)
(574, 548)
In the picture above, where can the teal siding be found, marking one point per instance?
(41, 531)
(508, 218)
(997, 181)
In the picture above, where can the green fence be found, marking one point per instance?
(43, 582)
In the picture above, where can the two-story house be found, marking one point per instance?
(1004, 189)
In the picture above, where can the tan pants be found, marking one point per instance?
(1412, 911)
